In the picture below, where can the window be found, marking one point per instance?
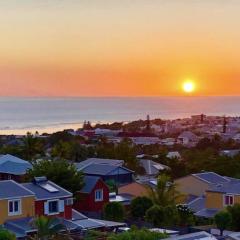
(98, 195)
(53, 207)
(69, 201)
(228, 200)
(14, 207)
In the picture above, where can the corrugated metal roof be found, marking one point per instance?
(13, 165)
(11, 189)
(42, 194)
(89, 183)
(211, 177)
(104, 169)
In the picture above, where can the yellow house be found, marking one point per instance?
(15, 201)
(219, 197)
(197, 184)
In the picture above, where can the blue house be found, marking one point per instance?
(12, 167)
(108, 172)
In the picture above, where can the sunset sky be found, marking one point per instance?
(119, 47)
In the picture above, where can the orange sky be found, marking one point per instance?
(123, 48)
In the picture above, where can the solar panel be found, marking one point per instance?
(49, 187)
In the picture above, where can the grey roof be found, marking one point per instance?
(151, 167)
(230, 153)
(21, 227)
(114, 162)
(102, 169)
(13, 165)
(230, 188)
(189, 135)
(211, 177)
(207, 213)
(42, 194)
(234, 236)
(11, 189)
(89, 183)
(197, 204)
(194, 236)
(88, 223)
(77, 215)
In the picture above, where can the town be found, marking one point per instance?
(162, 179)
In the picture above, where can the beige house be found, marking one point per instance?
(135, 189)
(197, 184)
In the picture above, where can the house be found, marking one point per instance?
(236, 137)
(152, 168)
(234, 236)
(15, 201)
(125, 199)
(197, 184)
(187, 139)
(172, 155)
(194, 236)
(89, 161)
(107, 172)
(219, 197)
(12, 167)
(50, 199)
(21, 203)
(135, 189)
(93, 196)
(230, 153)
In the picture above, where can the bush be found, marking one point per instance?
(142, 234)
(139, 206)
(114, 211)
(6, 235)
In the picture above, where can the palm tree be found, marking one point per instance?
(31, 146)
(49, 229)
(165, 192)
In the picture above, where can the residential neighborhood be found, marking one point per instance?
(84, 182)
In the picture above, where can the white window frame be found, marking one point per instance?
(96, 197)
(53, 213)
(224, 199)
(19, 212)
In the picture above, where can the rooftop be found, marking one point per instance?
(46, 190)
(10, 189)
(211, 177)
(89, 183)
(13, 165)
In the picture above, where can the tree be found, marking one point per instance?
(223, 220)
(6, 235)
(235, 215)
(60, 172)
(49, 228)
(186, 216)
(165, 192)
(139, 206)
(161, 216)
(126, 151)
(31, 147)
(155, 215)
(114, 211)
(142, 234)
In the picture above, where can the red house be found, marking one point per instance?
(51, 199)
(93, 196)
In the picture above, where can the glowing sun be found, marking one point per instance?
(188, 86)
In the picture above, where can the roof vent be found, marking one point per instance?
(39, 180)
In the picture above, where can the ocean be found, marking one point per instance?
(20, 115)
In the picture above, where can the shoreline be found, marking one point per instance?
(40, 130)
